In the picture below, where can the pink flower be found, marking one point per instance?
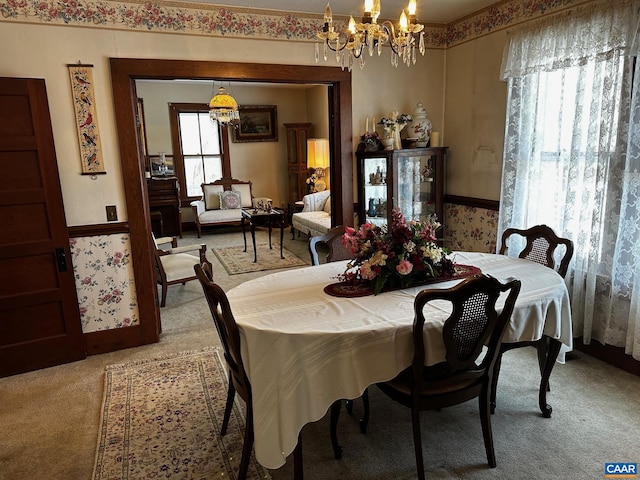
(367, 272)
(404, 267)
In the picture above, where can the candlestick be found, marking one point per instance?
(366, 130)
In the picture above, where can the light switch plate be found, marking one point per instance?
(112, 214)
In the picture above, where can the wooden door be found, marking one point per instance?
(39, 314)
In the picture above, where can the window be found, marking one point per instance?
(198, 147)
(571, 159)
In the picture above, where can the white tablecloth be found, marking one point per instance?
(304, 349)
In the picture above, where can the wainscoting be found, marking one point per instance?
(470, 224)
(105, 286)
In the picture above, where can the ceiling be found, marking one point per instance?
(428, 11)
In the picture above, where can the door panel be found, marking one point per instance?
(39, 315)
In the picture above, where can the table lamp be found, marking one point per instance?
(318, 159)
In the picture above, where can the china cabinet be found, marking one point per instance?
(409, 179)
(297, 135)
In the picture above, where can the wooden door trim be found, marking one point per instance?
(80, 231)
(124, 73)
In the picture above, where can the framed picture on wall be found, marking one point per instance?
(258, 123)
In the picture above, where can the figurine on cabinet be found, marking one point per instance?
(372, 212)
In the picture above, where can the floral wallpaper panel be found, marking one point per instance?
(470, 229)
(104, 282)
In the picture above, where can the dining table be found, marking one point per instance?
(303, 349)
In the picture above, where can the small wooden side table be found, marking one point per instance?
(261, 218)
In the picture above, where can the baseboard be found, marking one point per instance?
(105, 341)
(607, 353)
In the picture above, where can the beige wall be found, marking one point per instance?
(318, 111)
(43, 51)
(475, 107)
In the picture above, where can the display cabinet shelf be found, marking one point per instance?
(409, 179)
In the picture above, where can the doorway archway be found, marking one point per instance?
(124, 73)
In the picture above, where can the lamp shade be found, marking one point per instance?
(317, 153)
(223, 107)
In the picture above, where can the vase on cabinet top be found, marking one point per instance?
(420, 127)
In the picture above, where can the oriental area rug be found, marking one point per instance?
(235, 261)
(161, 419)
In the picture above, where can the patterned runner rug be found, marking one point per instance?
(235, 261)
(161, 419)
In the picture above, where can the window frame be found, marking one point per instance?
(175, 109)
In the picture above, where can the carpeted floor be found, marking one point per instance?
(161, 419)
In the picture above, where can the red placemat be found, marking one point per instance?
(348, 290)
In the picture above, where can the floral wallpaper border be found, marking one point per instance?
(104, 282)
(503, 15)
(199, 19)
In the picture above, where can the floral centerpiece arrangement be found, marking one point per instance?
(393, 125)
(395, 256)
(395, 121)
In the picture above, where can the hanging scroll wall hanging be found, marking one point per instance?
(86, 119)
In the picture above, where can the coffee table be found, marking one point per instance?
(262, 218)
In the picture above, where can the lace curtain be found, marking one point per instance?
(572, 157)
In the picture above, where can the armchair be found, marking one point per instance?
(175, 265)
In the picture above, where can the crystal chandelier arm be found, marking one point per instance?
(390, 30)
(335, 38)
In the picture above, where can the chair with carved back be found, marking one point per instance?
(540, 247)
(464, 374)
(333, 241)
(543, 246)
(238, 381)
(175, 265)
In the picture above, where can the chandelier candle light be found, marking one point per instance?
(370, 35)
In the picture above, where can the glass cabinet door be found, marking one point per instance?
(415, 187)
(375, 190)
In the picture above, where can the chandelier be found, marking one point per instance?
(223, 108)
(370, 36)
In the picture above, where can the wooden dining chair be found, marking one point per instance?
(174, 265)
(333, 241)
(541, 243)
(463, 375)
(238, 381)
(540, 247)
